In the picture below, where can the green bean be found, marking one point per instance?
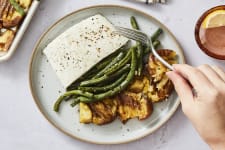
(120, 64)
(89, 74)
(122, 70)
(103, 64)
(103, 88)
(69, 97)
(57, 103)
(115, 60)
(140, 59)
(73, 86)
(105, 77)
(156, 34)
(77, 100)
(117, 69)
(60, 100)
(133, 23)
(123, 85)
(86, 76)
(79, 92)
(96, 69)
(94, 81)
(140, 49)
(156, 44)
(17, 7)
(70, 93)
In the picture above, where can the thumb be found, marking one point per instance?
(182, 87)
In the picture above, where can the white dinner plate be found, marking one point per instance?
(46, 87)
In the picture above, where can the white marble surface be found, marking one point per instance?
(23, 127)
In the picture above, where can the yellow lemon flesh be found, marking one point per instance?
(214, 19)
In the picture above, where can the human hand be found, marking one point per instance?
(205, 108)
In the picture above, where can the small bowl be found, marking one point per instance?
(198, 29)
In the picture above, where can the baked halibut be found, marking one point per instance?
(80, 47)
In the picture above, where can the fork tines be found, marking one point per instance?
(132, 34)
(142, 37)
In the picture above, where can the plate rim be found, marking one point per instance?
(37, 101)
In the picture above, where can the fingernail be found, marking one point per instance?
(174, 66)
(168, 73)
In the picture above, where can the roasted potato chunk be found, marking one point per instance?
(136, 86)
(24, 3)
(146, 85)
(160, 94)
(99, 113)
(6, 39)
(85, 113)
(160, 86)
(9, 16)
(104, 112)
(133, 105)
(3, 4)
(12, 19)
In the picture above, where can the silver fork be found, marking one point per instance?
(141, 37)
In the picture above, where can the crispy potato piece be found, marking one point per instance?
(6, 39)
(3, 4)
(85, 113)
(104, 111)
(136, 86)
(133, 105)
(157, 95)
(146, 85)
(99, 113)
(160, 86)
(10, 17)
(24, 3)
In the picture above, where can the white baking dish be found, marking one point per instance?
(6, 55)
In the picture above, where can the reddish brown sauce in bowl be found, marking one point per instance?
(211, 40)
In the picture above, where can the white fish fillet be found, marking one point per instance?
(82, 46)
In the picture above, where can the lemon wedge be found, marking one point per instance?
(214, 19)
